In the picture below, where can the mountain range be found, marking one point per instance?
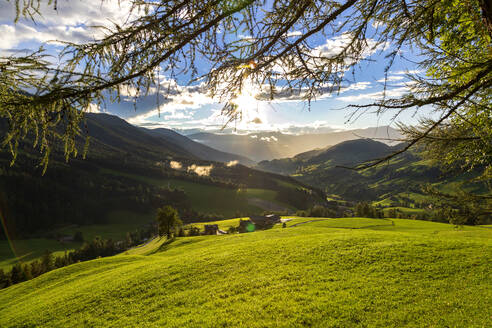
(396, 182)
(128, 173)
(273, 145)
(116, 135)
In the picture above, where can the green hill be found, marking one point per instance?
(329, 273)
(126, 176)
(133, 169)
(398, 182)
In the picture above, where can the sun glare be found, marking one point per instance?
(251, 109)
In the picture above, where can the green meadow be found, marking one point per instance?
(351, 272)
(116, 228)
(213, 199)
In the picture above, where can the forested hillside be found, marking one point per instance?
(399, 182)
(130, 169)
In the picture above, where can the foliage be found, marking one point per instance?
(167, 221)
(450, 38)
(318, 211)
(364, 209)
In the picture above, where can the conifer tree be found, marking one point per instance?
(452, 41)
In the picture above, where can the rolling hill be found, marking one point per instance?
(351, 272)
(394, 183)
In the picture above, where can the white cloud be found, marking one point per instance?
(415, 71)
(177, 99)
(294, 33)
(73, 21)
(392, 93)
(175, 165)
(93, 108)
(200, 170)
(391, 78)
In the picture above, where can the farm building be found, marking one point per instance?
(258, 222)
(211, 229)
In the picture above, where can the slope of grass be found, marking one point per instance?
(212, 199)
(410, 274)
(223, 224)
(26, 250)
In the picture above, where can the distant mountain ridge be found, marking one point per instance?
(274, 145)
(349, 152)
(399, 179)
(115, 134)
(200, 150)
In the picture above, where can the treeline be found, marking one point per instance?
(90, 250)
(31, 202)
(330, 211)
(458, 215)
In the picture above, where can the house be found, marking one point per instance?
(246, 226)
(273, 218)
(258, 222)
(211, 229)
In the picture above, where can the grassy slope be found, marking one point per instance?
(30, 249)
(413, 274)
(119, 223)
(211, 199)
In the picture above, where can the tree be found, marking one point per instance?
(78, 237)
(451, 39)
(167, 220)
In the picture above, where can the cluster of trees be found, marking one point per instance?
(168, 222)
(90, 250)
(364, 209)
(300, 198)
(319, 211)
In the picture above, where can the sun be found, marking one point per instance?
(250, 108)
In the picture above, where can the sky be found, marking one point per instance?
(187, 108)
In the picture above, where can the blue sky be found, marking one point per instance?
(188, 107)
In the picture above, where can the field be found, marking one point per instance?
(352, 272)
(26, 250)
(213, 199)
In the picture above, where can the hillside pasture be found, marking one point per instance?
(410, 274)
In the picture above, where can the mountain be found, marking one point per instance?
(398, 181)
(197, 149)
(128, 173)
(116, 135)
(271, 145)
(346, 153)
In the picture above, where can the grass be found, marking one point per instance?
(406, 210)
(27, 250)
(211, 199)
(318, 274)
(223, 224)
